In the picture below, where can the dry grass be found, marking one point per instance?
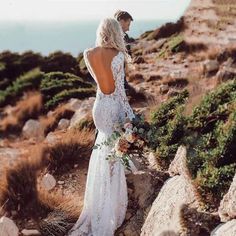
(69, 150)
(25, 109)
(21, 191)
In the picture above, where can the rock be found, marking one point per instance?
(225, 229)
(74, 104)
(30, 232)
(143, 187)
(164, 88)
(210, 66)
(178, 165)
(52, 138)
(82, 112)
(227, 209)
(153, 164)
(8, 227)
(33, 128)
(165, 210)
(60, 182)
(63, 124)
(48, 182)
(226, 73)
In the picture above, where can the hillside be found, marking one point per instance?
(183, 81)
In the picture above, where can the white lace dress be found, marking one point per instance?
(105, 199)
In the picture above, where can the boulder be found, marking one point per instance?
(164, 214)
(227, 209)
(84, 109)
(63, 124)
(33, 129)
(225, 229)
(8, 227)
(48, 182)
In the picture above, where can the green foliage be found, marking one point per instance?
(57, 87)
(65, 95)
(59, 61)
(28, 81)
(167, 127)
(211, 140)
(171, 46)
(209, 134)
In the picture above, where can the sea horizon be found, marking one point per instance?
(72, 36)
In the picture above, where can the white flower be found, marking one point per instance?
(129, 137)
(119, 153)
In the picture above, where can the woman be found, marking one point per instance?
(105, 200)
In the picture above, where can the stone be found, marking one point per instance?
(33, 128)
(210, 66)
(165, 211)
(178, 165)
(84, 109)
(63, 124)
(225, 229)
(8, 227)
(30, 232)
(227, 209)
(74, 104)
(48, 181)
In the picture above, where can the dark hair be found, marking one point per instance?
(122, 15)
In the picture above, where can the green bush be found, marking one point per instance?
(211, 140)
(65, 95)
(28, 81)
(57, 87)
(167, 127)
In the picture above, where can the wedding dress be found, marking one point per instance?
(105, 199)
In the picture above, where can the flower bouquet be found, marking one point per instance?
(126, 140)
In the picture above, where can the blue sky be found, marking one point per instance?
(67, 10)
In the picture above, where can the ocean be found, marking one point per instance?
(47, 37)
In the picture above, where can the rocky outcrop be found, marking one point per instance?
(82, 111)
(227, 209)
(165, 210)
(225, 229)
(8, 227)
(178, 190)
(143, 187)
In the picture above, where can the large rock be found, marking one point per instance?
(225, 229)
(48, 181)
(143, 187)
(210, 66)
(165, 210)
(8, 227)
(178, 165)
(227, 209)
(63, 124)
(33, 129)
(84, 109)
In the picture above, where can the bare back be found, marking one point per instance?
(100, 62)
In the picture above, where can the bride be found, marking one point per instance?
(105, 200)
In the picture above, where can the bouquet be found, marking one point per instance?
(126, 140)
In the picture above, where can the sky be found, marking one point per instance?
(69, 10)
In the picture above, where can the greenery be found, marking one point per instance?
(58, 87)
(209, 134)
(167, 127)
(28, 81)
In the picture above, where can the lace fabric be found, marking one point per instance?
(105, 199)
